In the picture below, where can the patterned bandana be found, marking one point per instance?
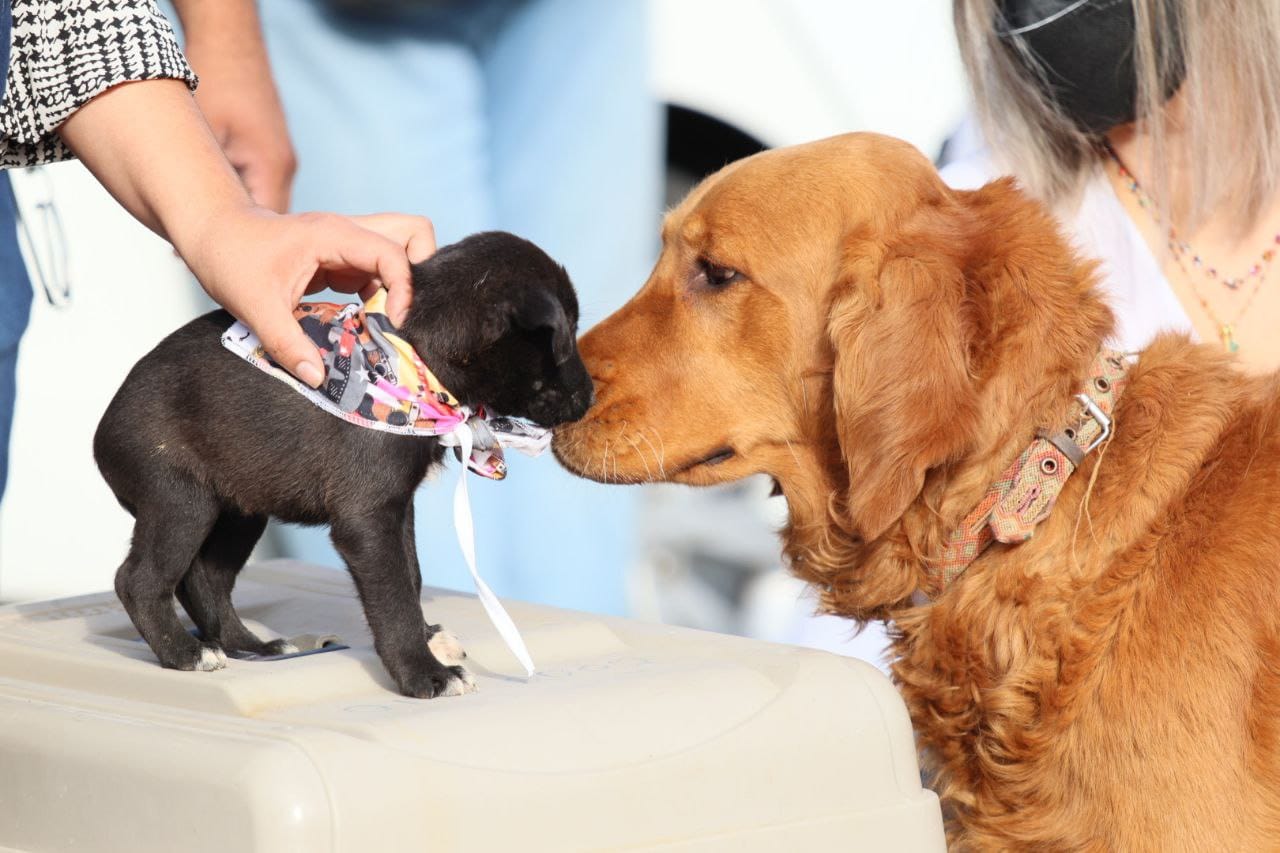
(376, 380)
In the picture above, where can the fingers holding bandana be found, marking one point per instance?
(415, 233)
(417, 237)
(277, 260)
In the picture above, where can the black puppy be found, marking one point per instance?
(201, 447)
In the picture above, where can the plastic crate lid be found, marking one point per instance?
(630, 736)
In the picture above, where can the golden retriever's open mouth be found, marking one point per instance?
(715, 457)
(622, 459)
(707, 469)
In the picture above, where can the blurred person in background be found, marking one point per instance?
(1152, 128)
(533, 116)
(108, 84)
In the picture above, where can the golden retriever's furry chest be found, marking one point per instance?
(1113, 682)
(1039, 742)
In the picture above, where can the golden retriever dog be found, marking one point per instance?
(834, 316)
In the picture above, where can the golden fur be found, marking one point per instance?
(889, 346)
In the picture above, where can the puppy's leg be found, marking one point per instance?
(443, 644)
(167, 535)
(411, 550)
(205, 590)
(372, 541)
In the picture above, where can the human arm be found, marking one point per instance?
(224, 44)
(149, 145)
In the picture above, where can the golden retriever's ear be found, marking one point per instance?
(904, 399)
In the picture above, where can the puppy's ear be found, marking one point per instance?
(904, 399)
(535, 308)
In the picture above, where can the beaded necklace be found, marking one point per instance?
(1182, 251)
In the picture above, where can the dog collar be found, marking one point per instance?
(1025, 493)
(374, 379)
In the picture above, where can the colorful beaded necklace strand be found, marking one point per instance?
(1181, 250)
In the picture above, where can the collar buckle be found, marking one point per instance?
(1092, 410)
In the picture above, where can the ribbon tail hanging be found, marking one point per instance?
(464, 527)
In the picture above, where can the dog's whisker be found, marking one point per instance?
(662, 451)
(662, 469)
(648, 472)
(634, 446)
(604, 462)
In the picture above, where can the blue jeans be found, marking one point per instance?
(15, 287)
(533, 117)
(15, 309)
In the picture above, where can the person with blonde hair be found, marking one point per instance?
(1152, 128)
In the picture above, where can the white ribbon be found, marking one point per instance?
(464, 527)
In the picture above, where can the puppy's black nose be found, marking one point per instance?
(580, 402)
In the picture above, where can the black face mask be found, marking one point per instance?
(1085, 49)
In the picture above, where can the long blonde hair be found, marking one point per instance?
(1230, 101)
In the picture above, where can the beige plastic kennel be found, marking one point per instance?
(631, 737)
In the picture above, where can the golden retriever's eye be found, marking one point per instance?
(716, 276)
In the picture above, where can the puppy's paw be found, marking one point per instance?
(191, 655)
(211, 658)
(278, 647)
(462, 681)
(438, 681)
(446, 648)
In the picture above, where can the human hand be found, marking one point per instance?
(238, 97)
(244, 113)
(258, 265)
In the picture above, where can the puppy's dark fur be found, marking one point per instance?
(202, 447)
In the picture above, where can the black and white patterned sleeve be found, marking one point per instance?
(65, 53)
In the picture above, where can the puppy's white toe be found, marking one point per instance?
(446, 648)
(211, 658)
(464, 683)
(287, 649)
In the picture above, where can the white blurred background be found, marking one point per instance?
(732, 75)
